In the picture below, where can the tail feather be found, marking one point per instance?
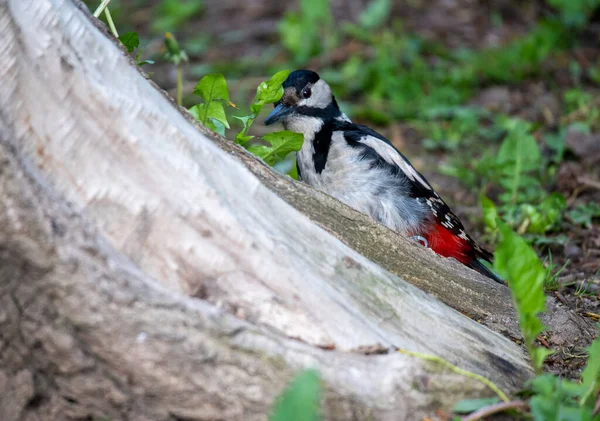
(481, 268)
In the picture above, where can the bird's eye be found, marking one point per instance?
(306, 92)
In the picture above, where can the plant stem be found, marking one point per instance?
(457, 370)
(101, 8)
(111, 24)
(494, 409)
(180, 86)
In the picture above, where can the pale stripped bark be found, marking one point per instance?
(146, 273)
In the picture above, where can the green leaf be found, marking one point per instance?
(518, 155)
(293, 173)
(212, 110)
(516, 261)
(466, 406)
(212, 87)
(242, 137)
(490, 214)
(300, 401)
(269, 91)
(130, 40)
(217, 126)
(282, 143)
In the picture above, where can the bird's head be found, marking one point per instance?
(304, 94)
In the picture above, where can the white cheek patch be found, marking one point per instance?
(391, 156)
(308, 126)
(321, 96)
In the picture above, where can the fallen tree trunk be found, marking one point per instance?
(145, 273)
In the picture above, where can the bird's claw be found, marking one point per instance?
(421, 240)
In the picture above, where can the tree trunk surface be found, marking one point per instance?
(152, 270)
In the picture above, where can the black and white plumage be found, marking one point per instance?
(361, 168)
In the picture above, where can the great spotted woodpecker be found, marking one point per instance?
(361, 168)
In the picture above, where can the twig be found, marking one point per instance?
(494, 409)
(457, 370)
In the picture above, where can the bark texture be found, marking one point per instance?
(147, 273)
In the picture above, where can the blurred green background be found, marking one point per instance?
(496, 98)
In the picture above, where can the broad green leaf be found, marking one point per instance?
(130, 40)
(196, 112)
(212, 87)
(300, 401)
(466, 406)
(516, 261)
(269, 91)
(214, 110)
(282, 143)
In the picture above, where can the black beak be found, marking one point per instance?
(279, 113)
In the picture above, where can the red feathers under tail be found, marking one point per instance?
(446, 243)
